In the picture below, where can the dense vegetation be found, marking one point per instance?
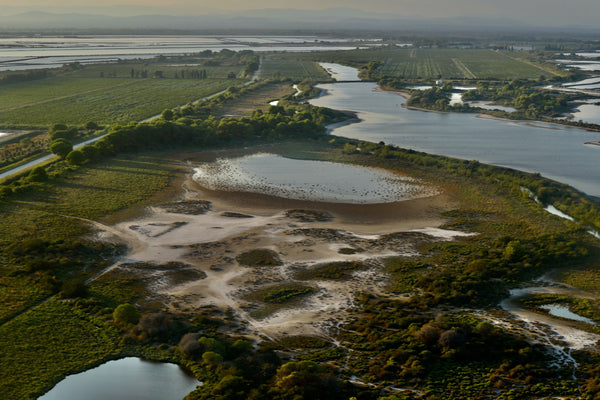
(53, 322)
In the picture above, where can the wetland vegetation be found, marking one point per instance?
(285, 298)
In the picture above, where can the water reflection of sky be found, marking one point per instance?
(307, 180)
(555, 151)
(29, 53)
(127, 378)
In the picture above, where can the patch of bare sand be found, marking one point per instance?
(210, 243)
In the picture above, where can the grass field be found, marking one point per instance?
(434, 63)
(55, 337)
(47, 342)
(277, 66)
(76, 101)
(93, 193)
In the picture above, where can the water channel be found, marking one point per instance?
(557, 152)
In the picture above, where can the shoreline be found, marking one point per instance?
(490, 116)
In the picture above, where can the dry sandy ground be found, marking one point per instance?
(208, 244)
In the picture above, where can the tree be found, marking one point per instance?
(38, 174)
(73, 288)
(91, 126)
(75, 157)
(126, 314)
(61, 147)
(211, 358)
(189, 344)
(167, 115)
(90, 152)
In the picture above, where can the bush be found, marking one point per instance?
(90, 152)
(259, 258)
(75, 157)
(61, 147)
(212, 358)
(38, 174)
(189, 344)
(73, 288)
(126, 314)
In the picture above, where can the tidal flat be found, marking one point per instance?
(206, 228)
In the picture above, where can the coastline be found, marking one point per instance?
(406, 95)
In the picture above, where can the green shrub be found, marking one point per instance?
(126, 314)
(259, 258)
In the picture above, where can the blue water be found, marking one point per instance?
(555, 151)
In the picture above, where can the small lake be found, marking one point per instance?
(126, 379)
(488, 105)
(308, 180)
(557, 152)
(587, 113)
(559, 310)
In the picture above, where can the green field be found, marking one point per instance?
(76, 101)
(282, 67)
(457, 64)
(433, 63)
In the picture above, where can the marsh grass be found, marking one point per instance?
(277, 297)
(259, 258)
(47, 342)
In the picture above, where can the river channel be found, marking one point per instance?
(557, 152)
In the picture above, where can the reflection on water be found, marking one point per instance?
(308, 180)
(557, 152)
(29, 53)
(559, 310)
(488, 105)
(125, 379)
(589, 113)
(340, 72)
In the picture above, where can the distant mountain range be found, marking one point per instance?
(334, 19)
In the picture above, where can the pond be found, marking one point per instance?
(308, 180)
(125, 379)
(557, 152)
(559, 310)
(589, 113)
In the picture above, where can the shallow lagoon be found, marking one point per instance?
(125, 379)
(555, 151)
(559, 310)
(308, 180)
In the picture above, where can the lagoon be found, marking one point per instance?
(308, 180)
(557, 152)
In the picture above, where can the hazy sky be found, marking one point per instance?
(569, 11)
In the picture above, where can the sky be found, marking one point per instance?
(567, 12)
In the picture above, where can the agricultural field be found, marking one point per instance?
(278, 66)
(76, 101)
(420, 63)
(457, 64)
(117, 93)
